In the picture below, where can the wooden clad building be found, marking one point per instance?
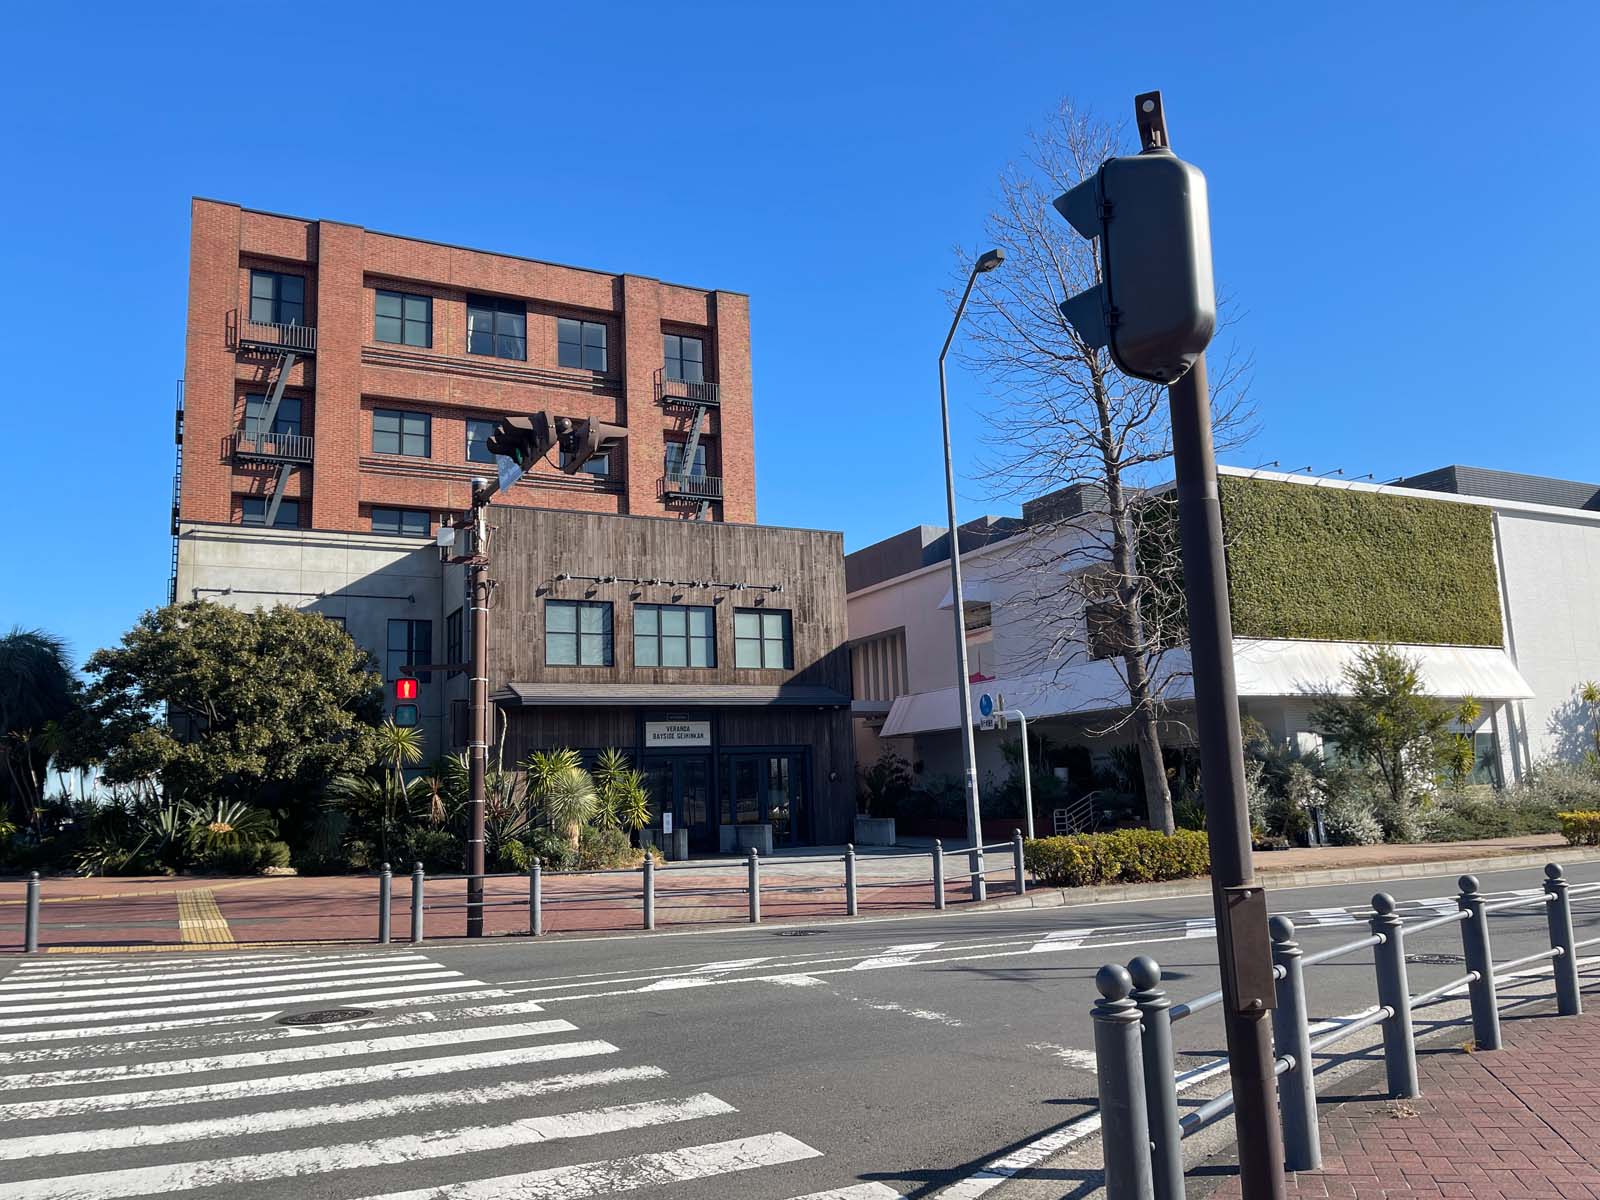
(714, 654)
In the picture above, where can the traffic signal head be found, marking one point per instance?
(405, 688)
(582, 440)
(405, 696)
(524, 440)
(1155, 307)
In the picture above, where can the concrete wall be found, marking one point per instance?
(361, 578)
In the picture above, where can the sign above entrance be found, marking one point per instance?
(668, 735)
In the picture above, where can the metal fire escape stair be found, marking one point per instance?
(177, 496)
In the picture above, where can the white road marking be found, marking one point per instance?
(78, 1004)
(347, 1156)
(861, 1191)
(921, 1014)
(213, 969)
(251, 1059)
(235, 1089)
(896, 956)
(92, 1140)
(732, 964)
(1084, 1060)
(190, 961)
(224, 987)
(1060, 939)
(794, 980)
(279, 1002)
(583, 1180)
(1200, 927)
(60, 1035)
(249, 1037)
(487, 993)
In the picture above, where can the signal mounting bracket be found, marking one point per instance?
(1152, 120)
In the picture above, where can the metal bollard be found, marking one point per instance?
(649, 890)
(850, 880)
(1124, 1120)
(755, 887)
(1291, 1038)
(980, 888)
(1482, 992)
(416, 903)
(1394, 991)
(30, 934)
(1569, 998)
(1017, 861)
(938, 873)
(536, 898)
(385, 903)
(1160, 1089)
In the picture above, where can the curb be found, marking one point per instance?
(1048, 897)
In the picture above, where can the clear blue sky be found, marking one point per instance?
(1402, 201)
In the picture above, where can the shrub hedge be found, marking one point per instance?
(1580, 828)
(1121, 856)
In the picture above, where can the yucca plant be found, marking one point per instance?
(562, 791)
(376, 802)
(633, 801)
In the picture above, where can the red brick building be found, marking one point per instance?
(344, 380)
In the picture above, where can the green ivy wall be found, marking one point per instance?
(1337, 564)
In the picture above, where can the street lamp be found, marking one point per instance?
(986, 262)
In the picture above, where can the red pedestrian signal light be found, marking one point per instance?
(405, 688)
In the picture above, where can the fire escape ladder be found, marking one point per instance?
(690, 449)
(275, 396)
(277, 494)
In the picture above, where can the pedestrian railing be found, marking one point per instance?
(648, 885)
(1141, 1129)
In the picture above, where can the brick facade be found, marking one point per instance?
(353, 374)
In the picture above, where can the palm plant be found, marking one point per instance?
(505, 804)
(400, 746)
(633, 801)
(376, 802)
(562, 791)
(225, 825)
(37, 692)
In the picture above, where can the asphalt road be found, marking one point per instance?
(849, 1060)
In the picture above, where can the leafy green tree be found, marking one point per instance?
(1383, 718)
(263, 707)
(41, 715)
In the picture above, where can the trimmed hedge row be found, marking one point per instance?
(1121, 856)
(1580, 828)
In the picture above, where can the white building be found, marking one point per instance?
(1489, 580)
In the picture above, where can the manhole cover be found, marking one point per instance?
(1435, 960)
(325, 1016)
(799, 932)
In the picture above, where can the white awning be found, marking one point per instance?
(973, 591)
(1263, 668)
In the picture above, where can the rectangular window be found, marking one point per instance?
(403, 319)
(763, 638)
(410, 643)
(577, 633)
(685, 358)
(253, 511)
(478, 441)
(677, 456)
(285, 421)
(408, 433)
(452, 637)
(497, 328)
(581, 344)
(402, 522)
(1106, 629)
(598, 464)
(277, 299)
(674, 635)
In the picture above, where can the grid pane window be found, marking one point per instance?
(253, 511)
(410, 643)
(581, 344)
(478, 441)
(685, 357)
(577, 633)
(763, 638)
(277, 299)
(285, 421)
(498, 328)
(402, 522)
(677, 457)
(404, 319)
(408, 433)
(674, 635)
(452, 637)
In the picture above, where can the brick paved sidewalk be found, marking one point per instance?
(1514, 1122)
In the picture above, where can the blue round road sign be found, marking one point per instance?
(986, 705)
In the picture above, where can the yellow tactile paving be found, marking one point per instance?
(200, 920)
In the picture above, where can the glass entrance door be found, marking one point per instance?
(681, 785)
(769, 788)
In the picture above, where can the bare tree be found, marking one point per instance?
(1063, 416)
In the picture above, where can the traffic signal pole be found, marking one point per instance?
(1236, 898)
(478, 707)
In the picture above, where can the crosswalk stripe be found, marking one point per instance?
(404, 1148)
(19, 982)
(1199, 927)
(860, 1191)
(487, 993)
(235, 1089)
(217, 993)
(93, 1140)
(189, 961)
(283, 1056)
(247, 1037)
(895, 956)
(224, 986)
(135, 1027)
(424, 983)
(624, 1174)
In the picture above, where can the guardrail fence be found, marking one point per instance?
(1142, 1131)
